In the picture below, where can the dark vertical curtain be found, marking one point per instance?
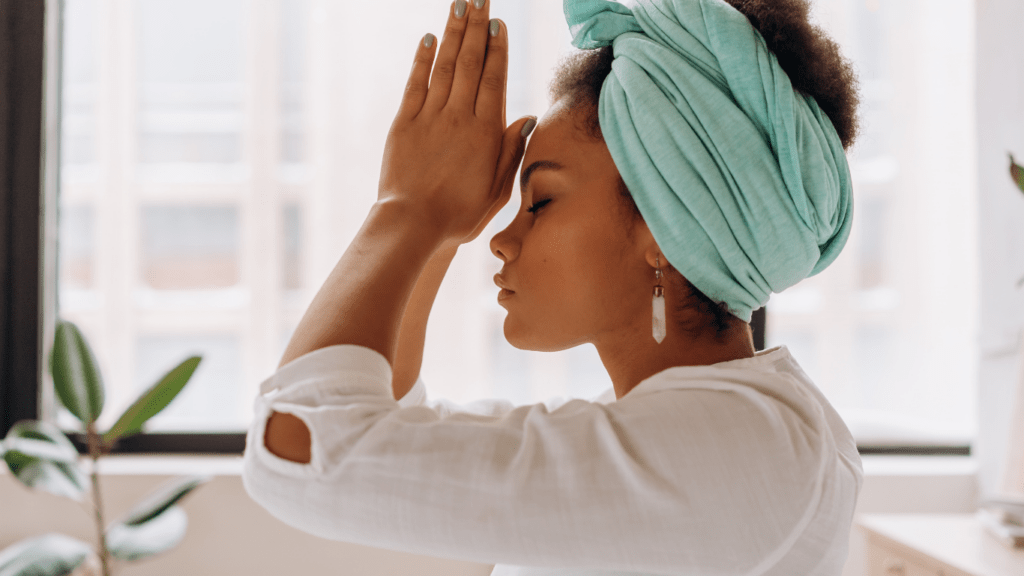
(21, 110)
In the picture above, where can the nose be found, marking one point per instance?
(505, 244)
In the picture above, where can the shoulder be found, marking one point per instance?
(771, 376)
(762, 408)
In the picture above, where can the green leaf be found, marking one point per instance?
(76, 374)
(155, 524)
(49, 555)
(44, 432)
(40, 449)
(137, 541)
(163, 498)
(42, 458)
(39, 430)
(56, 478)
(1017, 173)
(152, 401)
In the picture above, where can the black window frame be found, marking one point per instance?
(24, 206)
(21, 114)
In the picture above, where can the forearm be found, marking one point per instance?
(364, 298)
(448, 166)
(363, 302)
(412, 335)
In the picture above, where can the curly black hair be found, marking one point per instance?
(806, 53)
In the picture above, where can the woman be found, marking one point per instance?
(678, 179)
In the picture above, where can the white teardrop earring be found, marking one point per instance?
(658, 305)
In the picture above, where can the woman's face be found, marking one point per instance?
(574, 272)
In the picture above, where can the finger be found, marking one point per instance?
(490, 98)
(504, 89)
(447, 54)
(471, 57)
(416, 88)
(513, 146)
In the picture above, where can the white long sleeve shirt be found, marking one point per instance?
(737, 468)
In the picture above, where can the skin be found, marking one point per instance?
(580, 269)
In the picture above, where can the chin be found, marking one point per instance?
(534, 340)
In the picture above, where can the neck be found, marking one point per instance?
(631, 360)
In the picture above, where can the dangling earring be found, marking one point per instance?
(658, 304)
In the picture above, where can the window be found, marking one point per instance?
(214, 168)
(888, 332)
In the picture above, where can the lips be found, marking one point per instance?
(505, 290)
(500, 282)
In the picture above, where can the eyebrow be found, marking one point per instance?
(524, 180)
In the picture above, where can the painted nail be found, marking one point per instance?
(478, 4)
(428, 40)
(495, 27)
(460, 8)
(528, 127)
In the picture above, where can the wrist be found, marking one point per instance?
(403, 219)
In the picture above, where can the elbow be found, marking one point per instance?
(286, 436)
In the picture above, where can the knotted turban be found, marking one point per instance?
(742, 181)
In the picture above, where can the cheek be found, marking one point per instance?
(555, 254)
(578, 265)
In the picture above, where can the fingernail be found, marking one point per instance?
(495, 27)
(529, 126)
(478, 4)
(428, 40)
(460, 8)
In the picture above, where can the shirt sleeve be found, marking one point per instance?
(664, 480)
(418, 396)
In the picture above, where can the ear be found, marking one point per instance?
(648, 246)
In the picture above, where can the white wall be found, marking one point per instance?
(1000, 125)
(230, 534)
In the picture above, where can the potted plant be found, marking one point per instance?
(43, 458)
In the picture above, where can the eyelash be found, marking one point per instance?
(537, 205)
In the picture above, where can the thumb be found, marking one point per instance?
(513, 146)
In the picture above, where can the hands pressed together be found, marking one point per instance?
(449, 166)
(448, 154)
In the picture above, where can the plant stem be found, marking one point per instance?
(95, 451)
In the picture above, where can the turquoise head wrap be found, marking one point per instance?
(742, 181)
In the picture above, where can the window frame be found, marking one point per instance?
(22, 41)
(29, 173)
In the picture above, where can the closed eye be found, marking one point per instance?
(537, 205)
